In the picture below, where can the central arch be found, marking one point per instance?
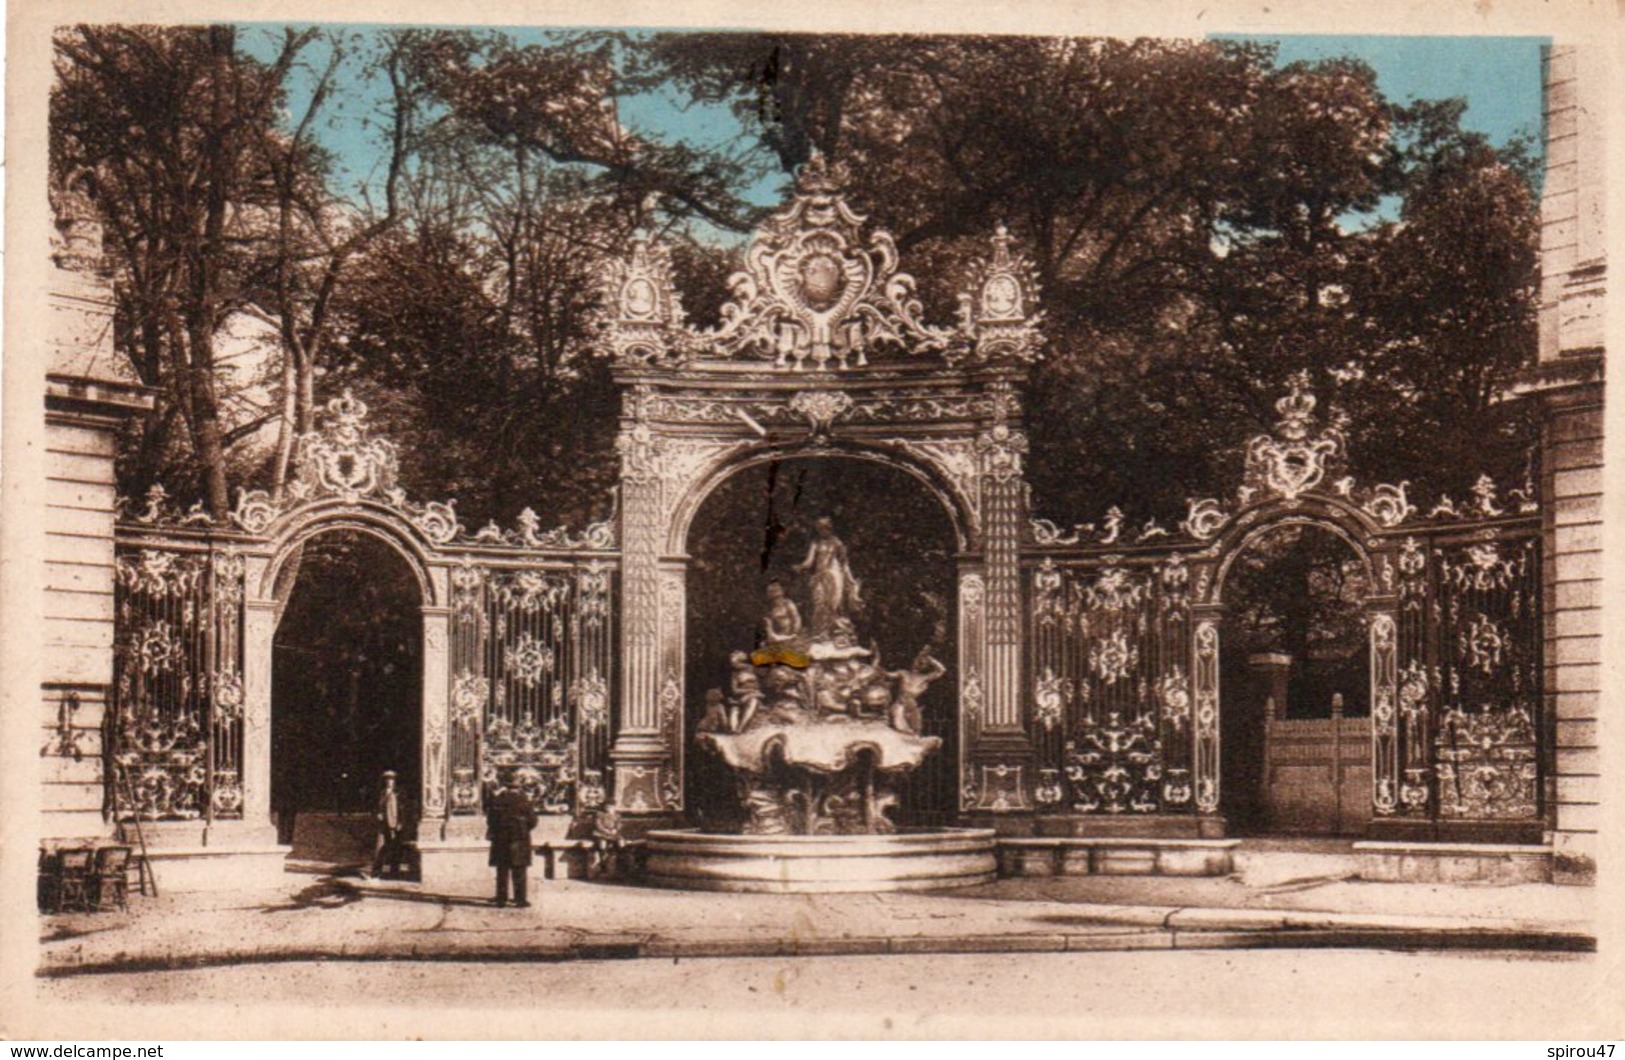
(752, 526)
(960, 510)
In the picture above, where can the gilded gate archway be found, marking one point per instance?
(823, 351)
(516, 631)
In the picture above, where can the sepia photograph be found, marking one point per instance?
(744, 523)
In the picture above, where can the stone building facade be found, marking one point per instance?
(90, 392)
(1569, 383)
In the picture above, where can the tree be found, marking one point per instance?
(319, 233)
(164, 128)
(1191, 208)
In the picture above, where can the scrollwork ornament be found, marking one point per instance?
(528, 660)
(1174, 695)
(438, 522)
(1114, 589)
(820, 408)
(1050, 696)
(255, 511)
(469, 694)
(591, 696)
(1046, 532)
(1388, 505)
(1113, 657)
(1203, 518)
(228, 694)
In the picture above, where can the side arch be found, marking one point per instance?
(1346, 523)
(303, 524)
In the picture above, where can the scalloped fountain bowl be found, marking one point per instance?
(905, 860)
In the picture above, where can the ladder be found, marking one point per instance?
(126, 788)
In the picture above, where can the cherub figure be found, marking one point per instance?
(745, 692)
(911, 684)
(782, 624)
(715, 718)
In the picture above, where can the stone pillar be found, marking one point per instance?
(1569, 382)
(642, 761)
(1271, 669)
(1001, 760)
(436, 705)
(259, 628)
(1206, 703)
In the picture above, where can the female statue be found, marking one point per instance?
(835, 592)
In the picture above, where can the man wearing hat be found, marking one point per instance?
(509, 818)
(387, 819)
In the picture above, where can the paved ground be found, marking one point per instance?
(324, 917)
(1290, 993)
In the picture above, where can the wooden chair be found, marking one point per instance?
(73, 880)
(48, 876)
(112, 878)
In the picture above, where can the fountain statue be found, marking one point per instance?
(816, 733)
(814, 729)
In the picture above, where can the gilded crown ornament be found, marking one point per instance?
(1292, 460)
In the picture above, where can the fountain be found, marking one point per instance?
(816, 735)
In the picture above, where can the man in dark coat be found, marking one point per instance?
(387, 825)
(509, 818)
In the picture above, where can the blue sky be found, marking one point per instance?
(1499, 77)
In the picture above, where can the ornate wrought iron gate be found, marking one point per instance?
(1124, 631)
(517, 632)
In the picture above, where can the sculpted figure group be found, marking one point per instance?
(815, 730)
(818, 670)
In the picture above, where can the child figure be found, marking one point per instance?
(745, 690)
(911, 684)
(715, 718)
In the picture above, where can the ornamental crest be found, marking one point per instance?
(646, 316)
(343, 460)
(999, 317)
(1292, 460)
(813, 295)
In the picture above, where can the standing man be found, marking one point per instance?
(509, 818)
(387, 821)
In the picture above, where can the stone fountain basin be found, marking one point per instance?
(829, 745)
(924, 860)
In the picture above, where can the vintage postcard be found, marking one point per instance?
(732, 521)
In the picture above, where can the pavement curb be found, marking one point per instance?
(1276, 935)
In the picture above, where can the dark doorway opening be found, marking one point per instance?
(1295, 738)
(753, 529)
(346, 685)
